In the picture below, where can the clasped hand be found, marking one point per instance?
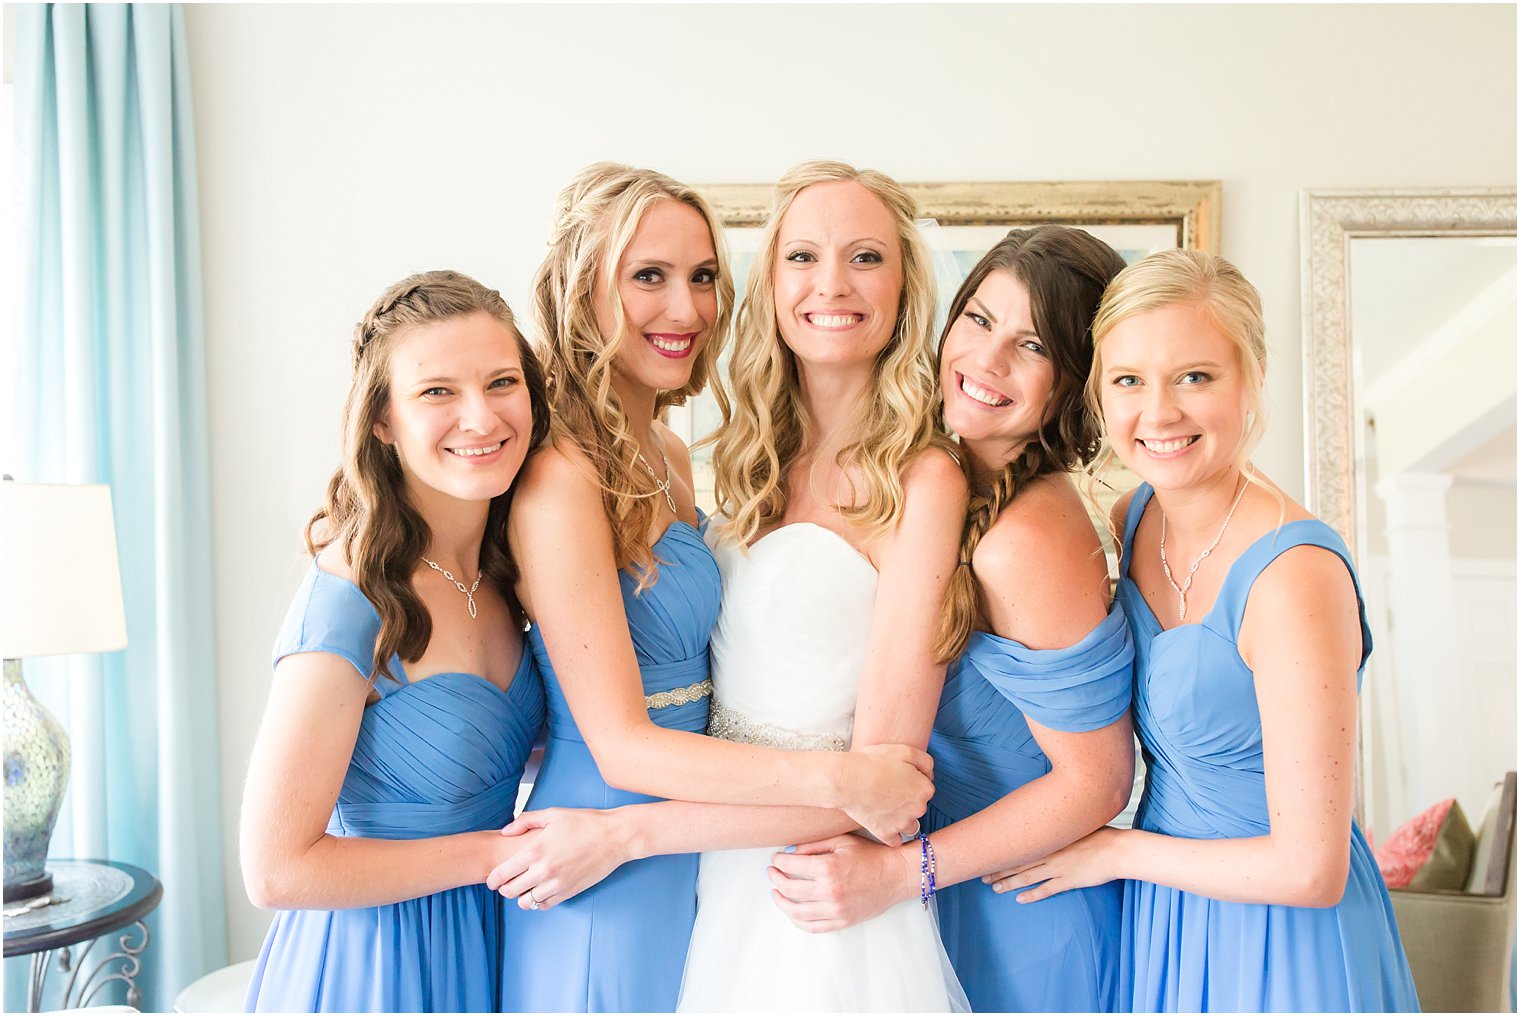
(840, 881)
(886, 787)
(555, 854)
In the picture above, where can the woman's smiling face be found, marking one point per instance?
(995, 372)
(666, 282)
(838, 275)
(1173, 395)
(460, 417)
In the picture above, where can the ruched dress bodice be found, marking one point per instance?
(1200, 730)
(670, 624)
(620, 945)
(433, 757)
(1060, 954)
(788, 654)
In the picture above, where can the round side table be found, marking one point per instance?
(90, 900)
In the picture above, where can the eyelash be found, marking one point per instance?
(806, 256)
(1202, 378)
(1030, 344)
(499, 384)
(653, 276)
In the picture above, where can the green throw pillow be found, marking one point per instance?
(1451, 860)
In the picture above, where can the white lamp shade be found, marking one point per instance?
(60, 585)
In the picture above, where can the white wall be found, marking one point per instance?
(343, 147)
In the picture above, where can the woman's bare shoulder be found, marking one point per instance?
(1045, 530)
(558, 468)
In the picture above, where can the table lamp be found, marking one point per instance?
(60, 592)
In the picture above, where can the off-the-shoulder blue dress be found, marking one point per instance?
(620, 946)
(439, 756)
(1060, 954)
(1196, 714)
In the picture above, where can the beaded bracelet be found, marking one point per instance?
(926, 885)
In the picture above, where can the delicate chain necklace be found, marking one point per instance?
(1187, 583)
(663, 486)
(469, 593)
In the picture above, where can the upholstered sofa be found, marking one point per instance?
(1461, 943)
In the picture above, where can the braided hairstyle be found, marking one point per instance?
(368, 512)
(1065, 270)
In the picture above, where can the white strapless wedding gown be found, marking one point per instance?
(787, 655)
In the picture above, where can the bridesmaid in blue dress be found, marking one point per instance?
(1032, 742)
(633, 302)
(1251, 887)
(404, 702)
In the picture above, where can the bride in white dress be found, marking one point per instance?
(842, 511)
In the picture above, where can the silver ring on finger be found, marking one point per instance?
(533, 903)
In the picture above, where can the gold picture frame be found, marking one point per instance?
(1191, 207)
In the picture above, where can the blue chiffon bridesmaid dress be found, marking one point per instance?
(435, 757)
(1196, 714)
(1060, 954)
(620, 946)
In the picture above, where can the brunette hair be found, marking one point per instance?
(595, 218)
(1066, 271)
(764, 425)
(367, 511)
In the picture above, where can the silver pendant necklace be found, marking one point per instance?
(1187, 583)
(468, 593)
(663, 486)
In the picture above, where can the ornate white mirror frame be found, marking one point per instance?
(1333, 437)
(1329, 221)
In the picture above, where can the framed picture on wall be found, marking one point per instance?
(1136, 218)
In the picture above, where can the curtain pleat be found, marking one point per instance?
(113, 390)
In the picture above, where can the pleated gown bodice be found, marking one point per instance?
(433, 757)
(670, 624)
(1200, 731)
(1060, 954)
(620, 945)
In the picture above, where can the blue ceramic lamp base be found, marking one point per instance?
(36, 775)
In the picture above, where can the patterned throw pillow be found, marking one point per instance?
(1433, 850)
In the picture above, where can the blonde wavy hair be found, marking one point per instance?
(764, 424)
(1172, 277)
(595, 218)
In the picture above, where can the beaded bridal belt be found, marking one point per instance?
(735, 726)
(679, 696)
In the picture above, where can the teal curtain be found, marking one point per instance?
(113, 390)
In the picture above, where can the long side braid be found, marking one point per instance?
(962, 608)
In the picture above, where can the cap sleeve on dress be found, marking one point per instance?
(330, 615)
(1082, 687)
